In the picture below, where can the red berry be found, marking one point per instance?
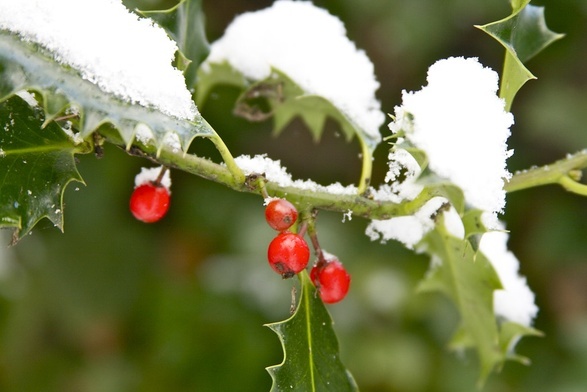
(280, 214)
(288, 254)
(332, 280)
(149, 202)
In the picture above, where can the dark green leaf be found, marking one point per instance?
(36, 164)
(185, 25)
(524, 34)
(311, 358)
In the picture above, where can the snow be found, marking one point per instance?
(122, 54)
(28, 98)
(402, 174)
(462, 126)
(310, 46)
(143, 134)
(274, 172)
(411, 229)
(515, 302)
(151, 174)
(171, 140)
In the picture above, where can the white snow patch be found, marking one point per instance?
(143, 134)
(402, 174)
(515, 302)
(122, 54)
(410, 229)
(347, 216)
(311, 47)
(461, 125)
(171, 140)
(28, 98)
(150, 175)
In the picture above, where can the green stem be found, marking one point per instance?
(305, 199)
(573, 186)
(227, 157)
(560, 172)
(367, 167)
(236, 172)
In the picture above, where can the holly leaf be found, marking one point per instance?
(523, 34)
(26, 66)
(311, 356)
(509, 335)
(184, 23)
(36, 164)
(279, 97)
(469, 281)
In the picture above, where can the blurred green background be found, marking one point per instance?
(116, 305)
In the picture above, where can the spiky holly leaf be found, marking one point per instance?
(469, 281)
(185, 25)
(25, 66)
(524, 34)
(279, 97)
(311, 357)
(36, 164)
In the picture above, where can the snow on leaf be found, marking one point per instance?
(311, 355)
(523, 34)
(460, 124)
(36, 164)
(130, 59)
(24, 65)
(313, 72)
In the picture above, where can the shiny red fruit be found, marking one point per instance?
(149, 202)
(280, 214)
(288, 254)
(332, 281)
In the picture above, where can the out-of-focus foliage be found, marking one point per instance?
(116, 305)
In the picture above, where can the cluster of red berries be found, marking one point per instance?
(288, 254)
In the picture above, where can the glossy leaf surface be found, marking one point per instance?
(311, 355)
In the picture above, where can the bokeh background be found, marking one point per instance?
(116, 305)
